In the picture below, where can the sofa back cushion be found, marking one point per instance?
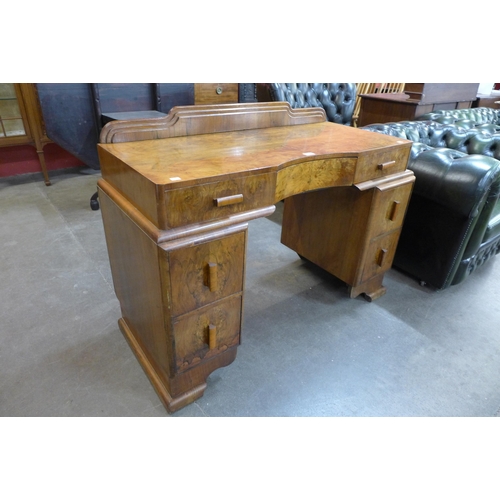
(440, 135)
(477, 115)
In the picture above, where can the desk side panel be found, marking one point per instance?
(135, 268)
(136, 188)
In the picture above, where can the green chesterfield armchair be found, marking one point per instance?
(452, 224)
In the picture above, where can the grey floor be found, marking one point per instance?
(307, 349)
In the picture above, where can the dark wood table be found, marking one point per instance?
(177, 195)
(487, 101)
(384, 108)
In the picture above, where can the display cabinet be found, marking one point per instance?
(21, 120)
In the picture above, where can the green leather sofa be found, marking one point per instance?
(452, 224)
(487, 119)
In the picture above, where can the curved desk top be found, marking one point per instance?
(264, 152)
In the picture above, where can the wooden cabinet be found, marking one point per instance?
(21, 120)
(487, 101)
(14, 128)
(215, 93)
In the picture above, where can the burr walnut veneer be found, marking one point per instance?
(177, 194)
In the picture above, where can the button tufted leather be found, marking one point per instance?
(441, 135)
(452, 223)
(337, 99)
(476, 115)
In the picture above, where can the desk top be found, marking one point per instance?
(180, 161)
(205, 163)
(399, 97)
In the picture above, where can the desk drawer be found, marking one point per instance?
(390, 206)
(205, 273)
(206, 332)
(381, 163)
(218, 199)
(380, 254)
(215, 93)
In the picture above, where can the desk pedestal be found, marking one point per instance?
(181, 297)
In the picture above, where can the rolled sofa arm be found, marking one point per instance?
(453, 200)
(456, 180)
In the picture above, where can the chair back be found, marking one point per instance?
(337, 99)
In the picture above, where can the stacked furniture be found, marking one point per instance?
(337, 99)
(453, 221)
(417, 99)
(373, 88)
(74, 113)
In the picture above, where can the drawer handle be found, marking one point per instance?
(228, 200)
(211, 277)
(218, 90)
(381, 257)
(394, 210)
(386, 165)
(212, 336)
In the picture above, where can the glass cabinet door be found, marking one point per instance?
(13, 123)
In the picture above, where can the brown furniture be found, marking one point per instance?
(215, 93)
(177, 194)
(373, 88)
(74, 113)
(417, 99)
(21, 120)
(487, 101)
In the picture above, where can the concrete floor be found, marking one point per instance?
(307, 349)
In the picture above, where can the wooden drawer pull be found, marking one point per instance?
(212, 336)
(211, 277)
(381, 257)
(228, 200)
(394, 210)
(387, 164)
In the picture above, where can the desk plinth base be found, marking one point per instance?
(372, 289)
(196, 377)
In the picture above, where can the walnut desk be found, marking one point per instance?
(176, 197)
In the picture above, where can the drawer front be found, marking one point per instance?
(381, 163)
(207, 332)
(215, 93)
(380, 254)
(218, 199)
(204, 273)
(390, 205)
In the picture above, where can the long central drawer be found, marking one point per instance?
(215, 200)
